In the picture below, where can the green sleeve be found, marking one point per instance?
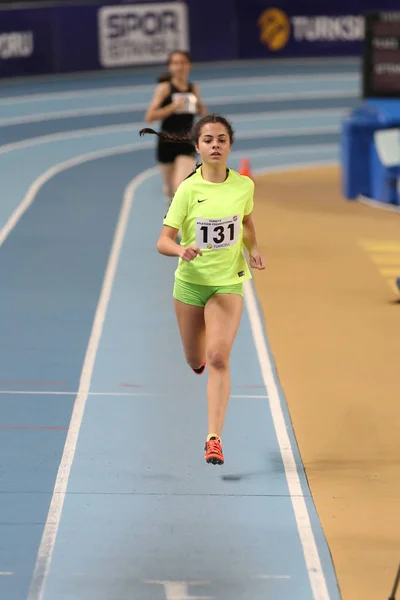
(250, 200)
(177, 211)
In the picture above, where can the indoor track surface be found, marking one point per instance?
(104, 492)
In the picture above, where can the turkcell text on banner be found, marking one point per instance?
(139, 34)
(277, 28)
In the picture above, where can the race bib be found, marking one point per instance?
(189, 103)
(215, 234)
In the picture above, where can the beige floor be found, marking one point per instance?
(333, 321)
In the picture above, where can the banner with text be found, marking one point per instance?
(302, 29)
(62, 38)
(26, 42)
(141, 34)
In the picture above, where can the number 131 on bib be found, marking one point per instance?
(215, 234)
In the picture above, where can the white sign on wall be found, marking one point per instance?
(139, 34)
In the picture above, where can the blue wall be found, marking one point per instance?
(56, 39)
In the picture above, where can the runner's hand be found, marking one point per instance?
(179, 104)
(190, 253)
(256, 260)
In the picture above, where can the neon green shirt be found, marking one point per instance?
(210, 216)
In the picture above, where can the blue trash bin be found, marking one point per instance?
(384, 177)
(357, 138)
(363, 174)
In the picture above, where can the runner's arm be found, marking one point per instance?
(249, 233)
(201, 107)
(166, 245)
(154, 112)
(166, 242)
(250, 241)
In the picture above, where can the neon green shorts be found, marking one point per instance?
(198, 295)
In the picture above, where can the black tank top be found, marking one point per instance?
(181, 122)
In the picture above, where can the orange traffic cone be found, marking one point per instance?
(244, 168)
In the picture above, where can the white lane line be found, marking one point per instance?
(282, 115)
(292, 132)
(217, 101)
(308, 542)
(303, 166)
(248, 396)
(113, 394)
(110, 129)
(47, 543)
(6, 573)
(231, 81)
(36, 393)
(274, 577)
(47, 175)
(76, 112)
(179, 590)
(53, 519)
(136, 126)
(75, 133)
(287, 151)
(46, 548)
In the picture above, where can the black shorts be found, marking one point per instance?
(168, 151)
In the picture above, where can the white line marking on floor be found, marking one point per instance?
(249, 396)
(74, 133)
(47, 175)
(6, 573)
(76, 112)
(135, 128)
(292, 132)
(38, 392)
(303, 166)
(273, 577)
(287, 150)
(47, 543)
(205, 83)
(265, 115)
(142, 106)
(95, 131)
(46, 548)
(127, 394)
(179, 590)
(310, 550)
(281, 115)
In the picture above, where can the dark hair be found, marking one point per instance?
(182, 52)
(164, 77)
(167, 76)
(194, 135)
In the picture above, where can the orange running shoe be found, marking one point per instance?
(200, 370)
(213, 451)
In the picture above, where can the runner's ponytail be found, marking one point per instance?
(167, 137)
(194, 135)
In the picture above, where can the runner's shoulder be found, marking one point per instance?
(242, 180)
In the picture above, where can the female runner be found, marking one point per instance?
(176, 101)
(213, 207)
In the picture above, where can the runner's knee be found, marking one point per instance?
(218, 359)
(195, 361)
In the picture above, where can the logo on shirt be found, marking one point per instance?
(241, 274)
(204, 199)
